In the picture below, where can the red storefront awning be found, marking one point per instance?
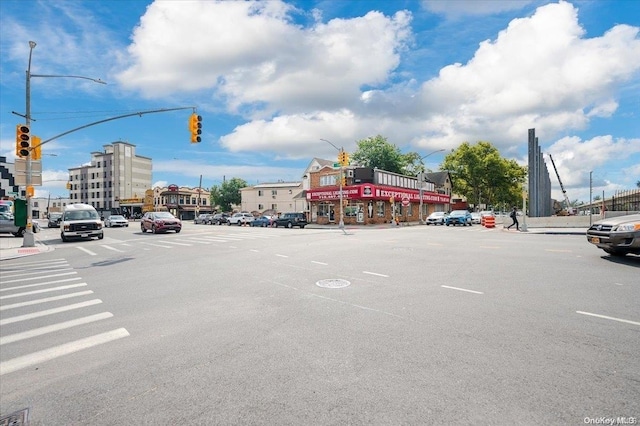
(369, 191)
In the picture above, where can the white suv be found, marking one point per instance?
(80, 221)
(240, 219)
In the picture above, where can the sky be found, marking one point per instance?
(272, 79)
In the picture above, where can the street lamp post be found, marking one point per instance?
(29, 239)
(420, 178)
(341, 224)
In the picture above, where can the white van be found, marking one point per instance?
(80, 221)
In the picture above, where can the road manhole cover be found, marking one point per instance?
(333, 283)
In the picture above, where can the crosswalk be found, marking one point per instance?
(172, 241)
(45, 311)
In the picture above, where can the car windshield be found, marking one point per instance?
(116, 217)
(164, 215)
(81, 215)
(459, 212)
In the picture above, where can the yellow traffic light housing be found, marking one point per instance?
(23, 140)
(36, 151)
(343, 158)
(195, 127)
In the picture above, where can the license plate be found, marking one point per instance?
(595, 240)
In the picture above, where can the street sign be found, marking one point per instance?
(336, 165)
(405, 201)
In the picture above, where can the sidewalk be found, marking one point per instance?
(11, 247)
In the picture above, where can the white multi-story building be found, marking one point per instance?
(115, 178)
(274, 197)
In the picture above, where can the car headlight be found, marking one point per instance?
(628, 227)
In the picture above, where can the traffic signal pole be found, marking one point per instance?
(29, 238)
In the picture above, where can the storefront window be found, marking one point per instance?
(351, 210)
(380, 208)
(323, 209)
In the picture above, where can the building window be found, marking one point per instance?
(260, 193)
(324, 209)
(290, 192)
(274, 192)
(328, 180)
(380, 208)
(260, 207)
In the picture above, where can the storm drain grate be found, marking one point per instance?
(333, 283)
(19, 418)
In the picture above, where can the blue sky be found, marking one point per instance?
(272, 78)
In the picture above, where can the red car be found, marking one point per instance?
(160, 222)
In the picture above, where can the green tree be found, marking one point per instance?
(377, 152)
(227, 194)
(480, 174)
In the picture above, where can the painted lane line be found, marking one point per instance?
(255, 251)
(175, 243)
(462, 289)
(376, 274)
(39, 284)
(282, 255)
(489, 247)
(157, 245)
(45, 300)
(19, 363)
(558, 251)
(45, 290)
(20, 266)
(37, 278)
(53, 328)
(39, 314)
(112, 248)
(319, 263)
(198, 241)
(35, 271)
(89, 252)
(609, 318)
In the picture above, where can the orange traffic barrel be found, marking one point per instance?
(489, 221)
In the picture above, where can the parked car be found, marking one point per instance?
(202, 219)
(240, 219)
(458, 217)
(54, 220)
(7, 226)
(487, 213)
(476, 217)
(80, 221)
(262, 221)
(290, 220)
(116, 220)
(617, 236)
(219, 219)
(436, 218)
(160, 222)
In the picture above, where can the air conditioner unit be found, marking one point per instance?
(350, 173)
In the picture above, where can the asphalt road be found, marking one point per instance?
(237, 325)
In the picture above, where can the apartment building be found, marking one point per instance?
(115, 180)
(275, 197)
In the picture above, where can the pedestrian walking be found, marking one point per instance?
(514, 217)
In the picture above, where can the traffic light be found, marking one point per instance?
(195, 127)
(36, 152)
(343, 158)
(23, 140)
(343, 181)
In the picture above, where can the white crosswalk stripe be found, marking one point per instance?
(23, 302)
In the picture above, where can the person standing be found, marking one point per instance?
(514, 217)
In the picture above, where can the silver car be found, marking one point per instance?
(7, 226)
(436, 218)
(116, 220)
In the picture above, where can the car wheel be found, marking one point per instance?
(447, 224)
(229, 223)
(64, 239)
(301, 226)
(142, 229)
(101, 236)
(614, 252)
(289, 225)
(178, 230)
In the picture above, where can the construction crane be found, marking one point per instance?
(564, 193)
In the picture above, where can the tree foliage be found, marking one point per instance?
(480, 174)
(227, 194)
(377, 152)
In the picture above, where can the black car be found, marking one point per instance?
(54, 220)
(219, 219)
(290, 220)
